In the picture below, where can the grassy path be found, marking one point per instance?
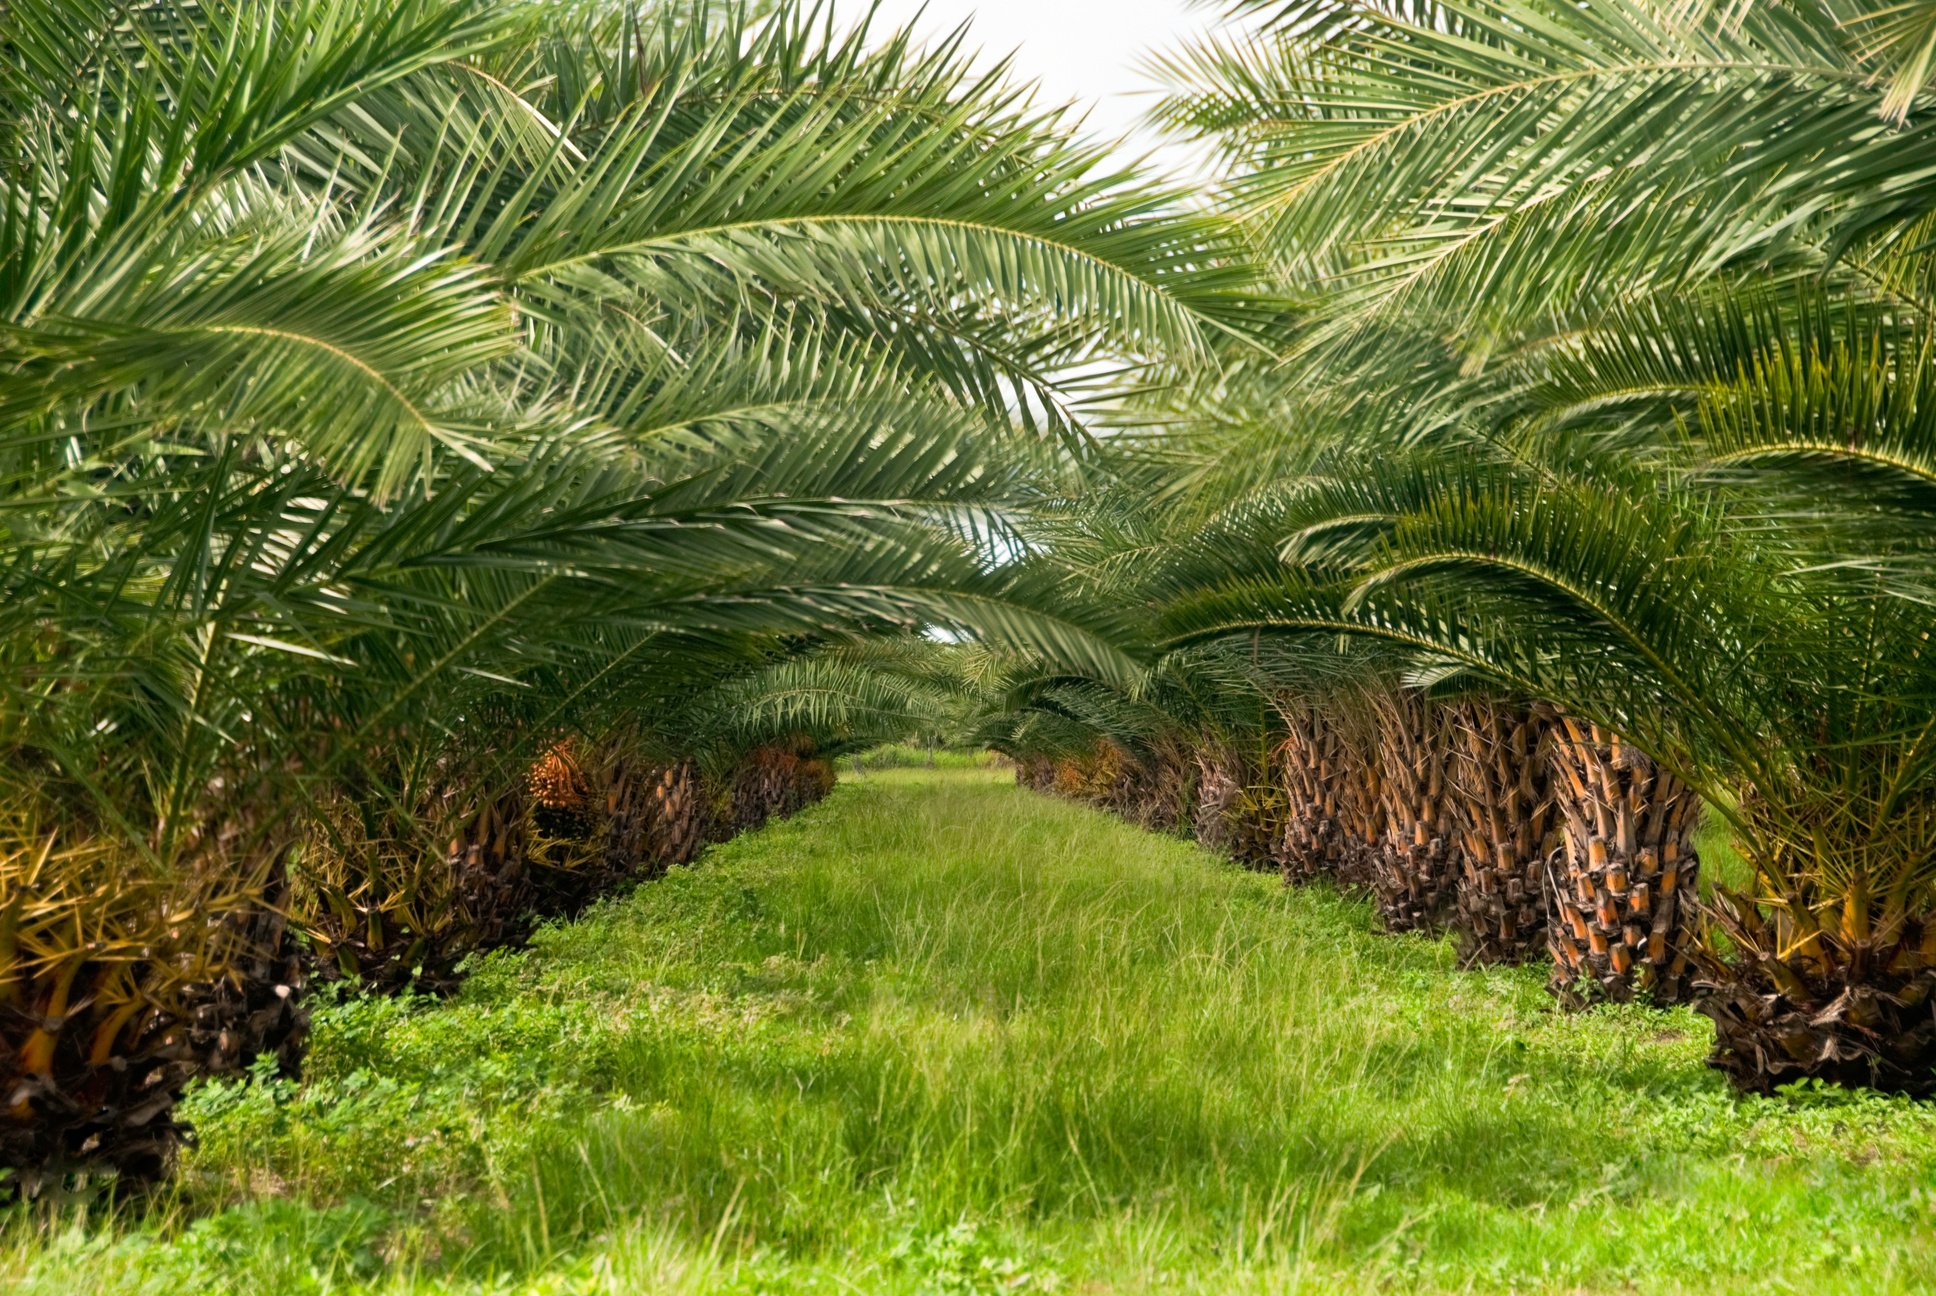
(939, 1035)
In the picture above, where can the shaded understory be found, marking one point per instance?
(940, 1035)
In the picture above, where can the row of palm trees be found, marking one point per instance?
(458, 457)
(1590, 487)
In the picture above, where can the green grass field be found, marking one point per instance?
(938, 1035)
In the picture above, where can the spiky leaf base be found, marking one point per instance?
(79, 1115)
(1332, 817)
(257, 1009)
(1413, 885)
(1849, 1002)
(773, 782)
(1416, 869)
(1036, 773)
(1218, 788)
(394, 911)
(1163, 800)
(1240, 811)
(1502, 774)
(119, 982)
(1624, 887)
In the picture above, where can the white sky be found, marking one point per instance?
(1086, 51)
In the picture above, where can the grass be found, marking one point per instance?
(938, 1035)
(915, 756)
(1721, 864)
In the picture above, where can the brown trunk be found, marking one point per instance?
(1508, 829)
(674, 823)
(120, 982)
(1125, 782)
(1331, 790)
(256, 1008)
(1172, 781)
(397, 898)
(1240, 809)
(1624, 887)
(773, 783)
(1417, 868)
(1218, 787)
(1803, 996)
(1036, 772)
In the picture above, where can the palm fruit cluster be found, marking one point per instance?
(560, 798)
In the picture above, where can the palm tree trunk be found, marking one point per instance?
(1037, 773)
(679, 821)
(1240, 808)
(1218, 788)
(1330, 778)
(1416, 869)
(1309, 764)
(1166, 796)
(1502, 774)
(258, 1008)
(1829, 971)
(110, 1002)
(1624, 891)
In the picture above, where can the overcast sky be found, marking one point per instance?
(1078, 50)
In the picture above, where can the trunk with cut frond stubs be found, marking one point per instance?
(1307, 763)
(1172, 787)
(1331, 792)
(1416, 869)
(1624, 888)
(120, 981)
(1125, 783)
(396, 894)
(1508, 829)
(389, 907)
(1151, 789)
(657, 817)
(256, 1008)
(774, 782)
(1218, 787)
(1829, 973)
(1035, 772)
(585, 833)
(1240, 809)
